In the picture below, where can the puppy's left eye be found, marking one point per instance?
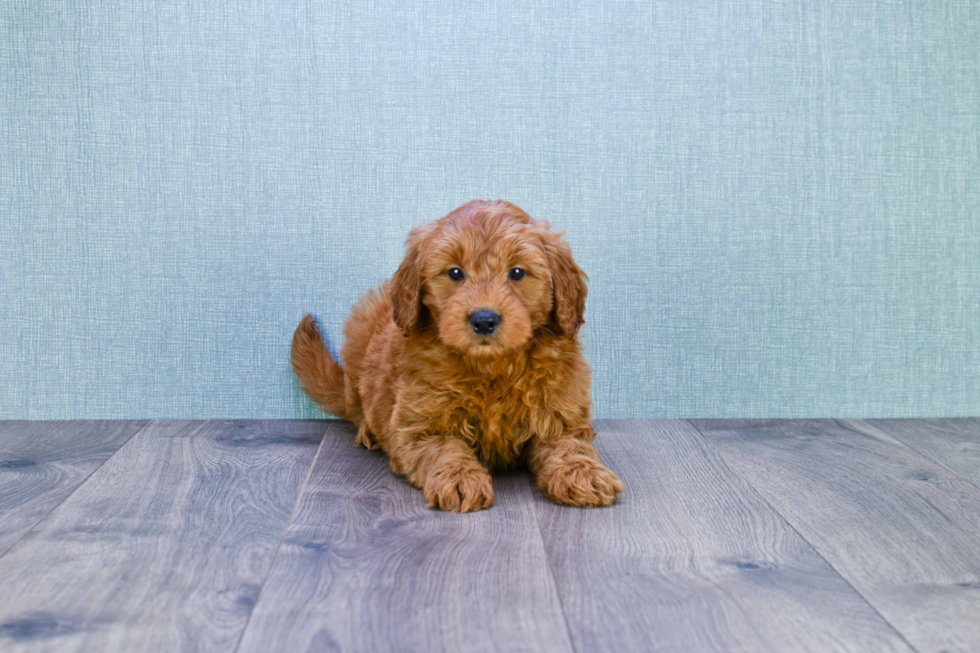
(516, 274)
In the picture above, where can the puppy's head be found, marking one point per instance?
(486, 277)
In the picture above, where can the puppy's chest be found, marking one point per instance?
(496, 418)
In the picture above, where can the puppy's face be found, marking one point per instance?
(487, 289)
(487, 276)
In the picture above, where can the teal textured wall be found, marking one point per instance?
(778, 203)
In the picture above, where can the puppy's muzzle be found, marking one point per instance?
(484, 322)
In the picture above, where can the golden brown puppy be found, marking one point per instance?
(467, 360)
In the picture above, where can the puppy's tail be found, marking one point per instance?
(320, 375)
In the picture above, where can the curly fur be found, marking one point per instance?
(446, 404)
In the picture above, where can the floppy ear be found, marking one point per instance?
(568, 284)
(406, 285)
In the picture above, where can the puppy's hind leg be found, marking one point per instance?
(365, 438)
(446, 470)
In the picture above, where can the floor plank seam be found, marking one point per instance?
(75, 489)
(874, 609)
(908, 446)
(547, 559)
(282, 537)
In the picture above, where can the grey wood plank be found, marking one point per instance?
(365, 566)
(165, 547)
(41, 463)
(953, 443)
(692, 559)
(903, 530)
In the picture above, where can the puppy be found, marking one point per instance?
(467, 360)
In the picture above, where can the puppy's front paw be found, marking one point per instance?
(459, 489)
(580, 481)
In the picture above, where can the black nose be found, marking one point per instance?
(484, 322)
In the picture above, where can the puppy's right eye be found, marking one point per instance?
(456, 274)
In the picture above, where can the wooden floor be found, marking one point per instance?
(820, 535)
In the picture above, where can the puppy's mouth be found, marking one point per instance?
(485, 339)
(486, 348)
(490, 346)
